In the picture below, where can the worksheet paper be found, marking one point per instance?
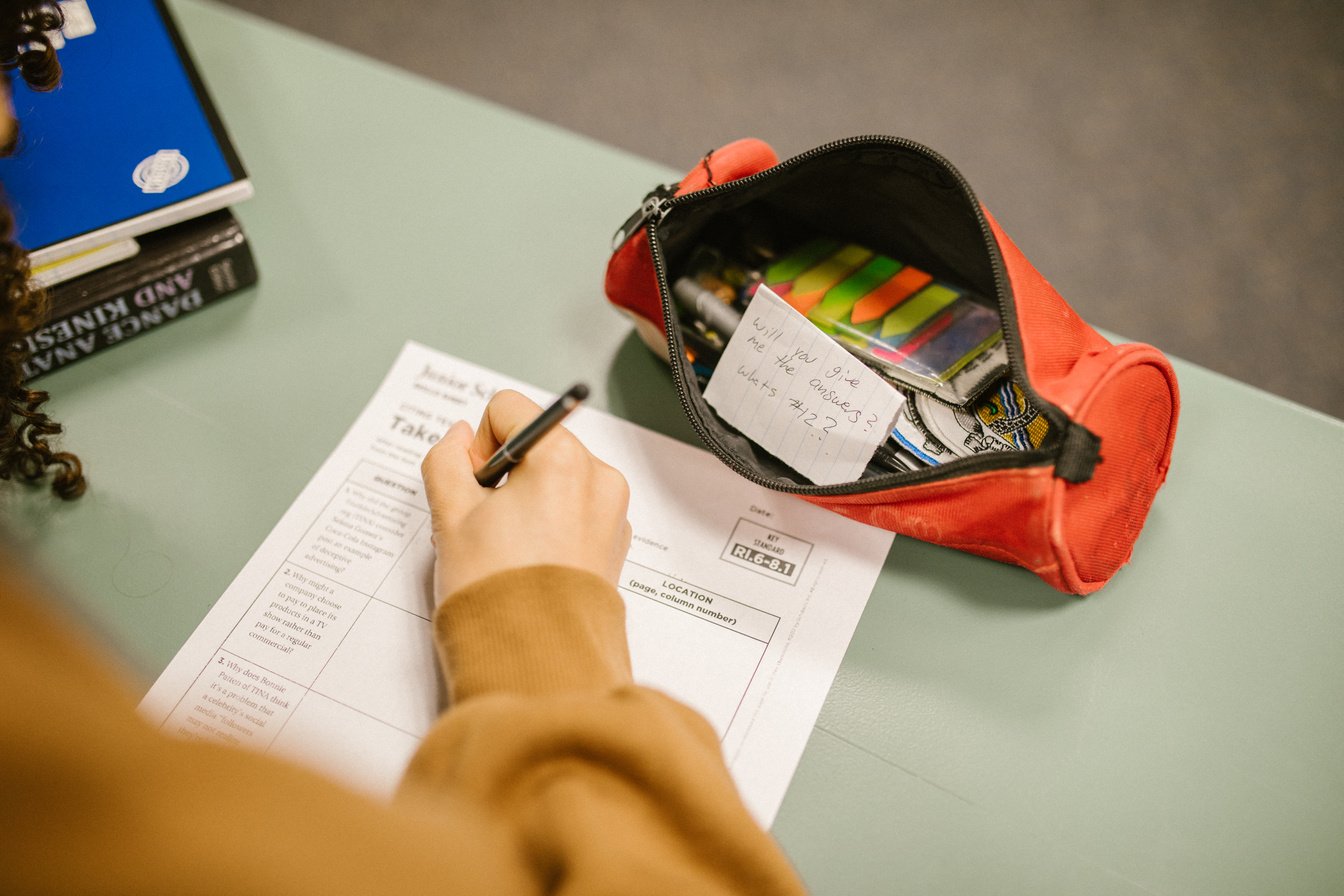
(740, 601)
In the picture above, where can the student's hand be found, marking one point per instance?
(559, 505)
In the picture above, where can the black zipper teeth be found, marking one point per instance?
(996, 460)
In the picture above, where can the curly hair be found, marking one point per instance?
(25, 428)
(24, 44)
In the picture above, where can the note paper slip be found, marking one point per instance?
(800, 395)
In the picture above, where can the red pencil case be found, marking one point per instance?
(1089, 425)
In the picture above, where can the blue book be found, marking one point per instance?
(127, 144)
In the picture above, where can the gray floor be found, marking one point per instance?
(1170, 167)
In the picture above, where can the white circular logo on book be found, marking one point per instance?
(160, 171)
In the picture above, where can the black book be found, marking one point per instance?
(179, 270)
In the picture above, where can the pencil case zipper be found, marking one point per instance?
(1071, 449)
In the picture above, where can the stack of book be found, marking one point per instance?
(121, 185)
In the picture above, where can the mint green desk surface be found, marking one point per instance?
(1180, 732)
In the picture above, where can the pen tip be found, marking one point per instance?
(578, 391)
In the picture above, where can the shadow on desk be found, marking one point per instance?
(986, 584)
(640, 389)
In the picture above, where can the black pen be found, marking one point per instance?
(512, 451)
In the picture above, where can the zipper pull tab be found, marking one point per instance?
(651, 210)
(1078, 455)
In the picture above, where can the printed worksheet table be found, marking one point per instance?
(740, 601)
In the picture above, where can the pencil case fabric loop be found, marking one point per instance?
(1068, 437)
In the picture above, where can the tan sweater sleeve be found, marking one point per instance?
(611, 787)
(551, 773)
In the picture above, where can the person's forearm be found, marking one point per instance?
(598, 777)
(533, 631)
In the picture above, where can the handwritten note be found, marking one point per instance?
(798, 394)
